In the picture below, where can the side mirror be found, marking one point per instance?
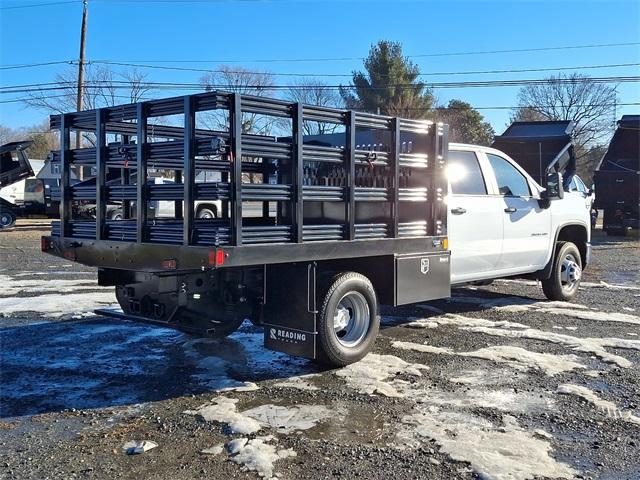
(553, 189)
(554, 186)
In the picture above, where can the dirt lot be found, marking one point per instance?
(492, 383)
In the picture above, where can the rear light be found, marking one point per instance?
(170, 264)
(216, 258)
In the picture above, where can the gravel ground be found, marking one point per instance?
(492, 383)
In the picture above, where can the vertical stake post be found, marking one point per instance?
(350, 159)
(236, 168)
(141, 157)
(298, 170)
(189, 170)
(101, 140)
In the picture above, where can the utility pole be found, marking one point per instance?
(80, 99)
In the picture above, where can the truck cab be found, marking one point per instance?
(502, 223)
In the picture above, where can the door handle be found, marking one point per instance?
(458, 211)
(510, 209)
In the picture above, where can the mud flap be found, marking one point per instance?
(289, 313)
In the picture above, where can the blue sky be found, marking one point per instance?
(246, 31)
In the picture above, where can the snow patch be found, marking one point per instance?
(57, 305)
(594, 346)
(300, 382)
(514, 304)
(516, 357)
(259, 456)
(609, 408)
(462, 321)
(519, 304)
(216, 450)
(369, 374)
(503, 400)
(223, 410)
(493, 376)
(494, 452)
(289, 419)
(591, 315)
(284, 419)
(601, 284)
(14, 286)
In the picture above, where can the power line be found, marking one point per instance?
(289, 74)
(497, 107)
(30, 65)
(119, 84)
(422, 55)
(31, 5)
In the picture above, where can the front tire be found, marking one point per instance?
(348, 322)
(565, 274)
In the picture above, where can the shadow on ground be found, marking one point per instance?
(47, 367)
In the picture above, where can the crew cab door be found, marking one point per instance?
(527, 226)
(474, 219)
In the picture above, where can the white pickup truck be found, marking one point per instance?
(503, 224)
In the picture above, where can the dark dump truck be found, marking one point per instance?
(309, 238)
(14, 167)
(617, 179)
(539, 147)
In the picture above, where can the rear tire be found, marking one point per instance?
(206, 213)
(565, 274)
(7, 219)
(348, 322)
(117, 215)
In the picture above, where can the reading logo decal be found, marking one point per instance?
(424, 265)
(287, 335)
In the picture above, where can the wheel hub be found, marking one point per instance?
(341, 319)
(570, 272)
(351, 319)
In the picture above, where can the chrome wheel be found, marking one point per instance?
(570, 273)
(351, 319)
(6, 220)
(206, 213)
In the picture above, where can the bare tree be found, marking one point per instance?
(43, 140)
(590, 105)
(314, 92)
(527, 114)
(103, 88)
(239, 80)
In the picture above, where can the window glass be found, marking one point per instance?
(464, 174)
(511, 182)
(580, 184)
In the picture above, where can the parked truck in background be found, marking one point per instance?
(617, 179)
(35, 193)
(345, 222)
(14, 168)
